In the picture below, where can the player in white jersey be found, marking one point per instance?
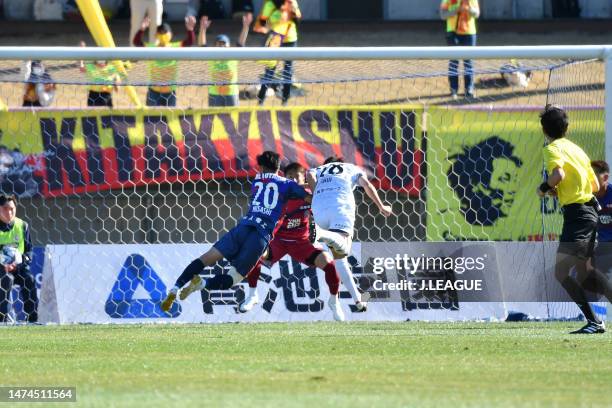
(333, 208)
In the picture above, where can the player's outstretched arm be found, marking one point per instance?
(373, 194)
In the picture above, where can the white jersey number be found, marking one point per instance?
(270, 194)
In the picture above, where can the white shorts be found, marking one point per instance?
(334, 218)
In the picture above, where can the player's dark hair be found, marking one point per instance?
(5, 198)
(554, 121)
(295, 166)
(278, 3)
(269, 160)
(333, 159)
(600, 167)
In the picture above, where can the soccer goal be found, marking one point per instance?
(129, 163)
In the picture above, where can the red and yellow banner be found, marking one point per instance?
(74, 152)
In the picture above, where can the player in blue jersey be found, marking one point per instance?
(244, 244)
(604, 197)
(603, 253)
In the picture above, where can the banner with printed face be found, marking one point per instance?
(483, 168)
(63, 152)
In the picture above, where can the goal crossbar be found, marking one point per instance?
(308, 53)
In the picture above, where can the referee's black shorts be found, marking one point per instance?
(579, 232)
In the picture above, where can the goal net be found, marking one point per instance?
(119, 200)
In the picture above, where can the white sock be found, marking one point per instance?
(252, 291)
(174, 289)
(346, 276)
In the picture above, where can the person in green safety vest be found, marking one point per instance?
(223, 90)
(15, 260)
(163, 74)
(102, 79)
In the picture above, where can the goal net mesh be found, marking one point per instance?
(454, 169)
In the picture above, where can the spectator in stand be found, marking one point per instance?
(460, 16)
(141, 8)
(39, 89)
(278, 19)
(103, 79)
(15, 259)
(163, 74)
(224, 74)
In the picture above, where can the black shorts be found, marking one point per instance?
(579, 232)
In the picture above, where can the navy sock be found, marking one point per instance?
(219, 282)
(190, 271)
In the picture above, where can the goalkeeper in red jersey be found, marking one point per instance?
(293, 239)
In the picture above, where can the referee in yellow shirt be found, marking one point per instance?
(572, 179)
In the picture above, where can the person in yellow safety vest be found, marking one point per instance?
(15, 260)
(224, 74)
(102, 78)
(278, 19)
(163, 74)
(460, 16)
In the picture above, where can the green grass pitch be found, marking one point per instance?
(314, 364)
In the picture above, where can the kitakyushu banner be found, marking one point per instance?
(76, 151)
(484, 168)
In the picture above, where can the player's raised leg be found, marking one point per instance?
(231, 247)
(191, 273)
(253, 246)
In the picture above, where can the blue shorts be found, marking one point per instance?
(242, 246)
